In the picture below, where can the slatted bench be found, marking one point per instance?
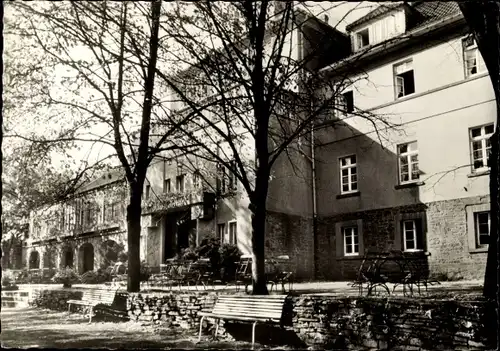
(94, 297)
(254, 309)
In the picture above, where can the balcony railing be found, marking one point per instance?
(173, 200)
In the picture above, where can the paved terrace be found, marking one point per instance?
(308, 288)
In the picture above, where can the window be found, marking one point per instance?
(349, 238)
(232, 233)
(363, 38)
(351, 241)
(344, 104)
(408, 162)
(482, 225)
(221, 230)
(478, 227)
(179, 183)
(404, 81)
(480, 146)
(148, 189)
(226, 179)
(197, 180)
(166, 186)
(412, 234)
(473, 61)
(348, 175)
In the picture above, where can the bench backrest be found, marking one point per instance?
(262, 308)
(102, 296)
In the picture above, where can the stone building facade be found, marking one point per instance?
(420, 185)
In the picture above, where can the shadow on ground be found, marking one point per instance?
(41, 328)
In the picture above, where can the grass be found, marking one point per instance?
(42, 328)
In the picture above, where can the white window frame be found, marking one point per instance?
(476, 228)
(349, 167)
(408, 154)
(483, 138)
(233, 239)
(352, 232)
(400, 235)
(399, 81)
(222, 236)
(472, 237)
(340, 245)
(479, 64)
(414, 231)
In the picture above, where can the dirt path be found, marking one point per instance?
(40, 328)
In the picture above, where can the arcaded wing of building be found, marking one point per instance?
(419, 185)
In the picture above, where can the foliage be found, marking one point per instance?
(66, 276)
(189, 254)
(222, 258)
(95, 277)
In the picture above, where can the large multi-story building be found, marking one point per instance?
(423, 185)
(417, 183)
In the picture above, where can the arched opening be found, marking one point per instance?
(67, 257)
(86, 258)
(34, 261)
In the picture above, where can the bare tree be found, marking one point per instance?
(82, 85)
(250, 79)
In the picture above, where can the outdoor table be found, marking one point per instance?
(381, 269)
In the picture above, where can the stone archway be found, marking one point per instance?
(67, 257)
(86, 258)
(34, 260)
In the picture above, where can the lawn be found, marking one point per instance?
(41, 328)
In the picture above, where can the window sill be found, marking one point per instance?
(351, 257)
(404, 97)
(353, 194)
(478, 174)
(479, 250)
(408, 185)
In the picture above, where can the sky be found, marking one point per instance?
(336, 12)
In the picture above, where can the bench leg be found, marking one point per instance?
(253, 333)
(201, 326)
(69, 308)
(216, 328)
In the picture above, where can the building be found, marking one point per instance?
(421, 187)
(419, 183)
(86, 232)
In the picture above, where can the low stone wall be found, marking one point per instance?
(385, 323)
(324, 321)
(55, 299)
(332, 322)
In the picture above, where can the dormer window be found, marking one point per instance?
(363, 38)
(473, 61)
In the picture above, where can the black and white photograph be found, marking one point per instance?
(265, 175)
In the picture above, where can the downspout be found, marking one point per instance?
(315, 214)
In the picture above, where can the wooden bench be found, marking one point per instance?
(255, 309)
(92, 298)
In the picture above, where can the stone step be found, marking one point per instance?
(14, 304)
(15, 293)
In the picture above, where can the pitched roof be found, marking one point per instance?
(433, 10)
(381, 9)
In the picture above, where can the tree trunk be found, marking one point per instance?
(258, 208)
(483, 19)
(133, 238)
(259, 283)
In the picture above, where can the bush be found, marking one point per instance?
(189, 254)
(229, 256)
(66, 276)
(95, 277)
(6, 280)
